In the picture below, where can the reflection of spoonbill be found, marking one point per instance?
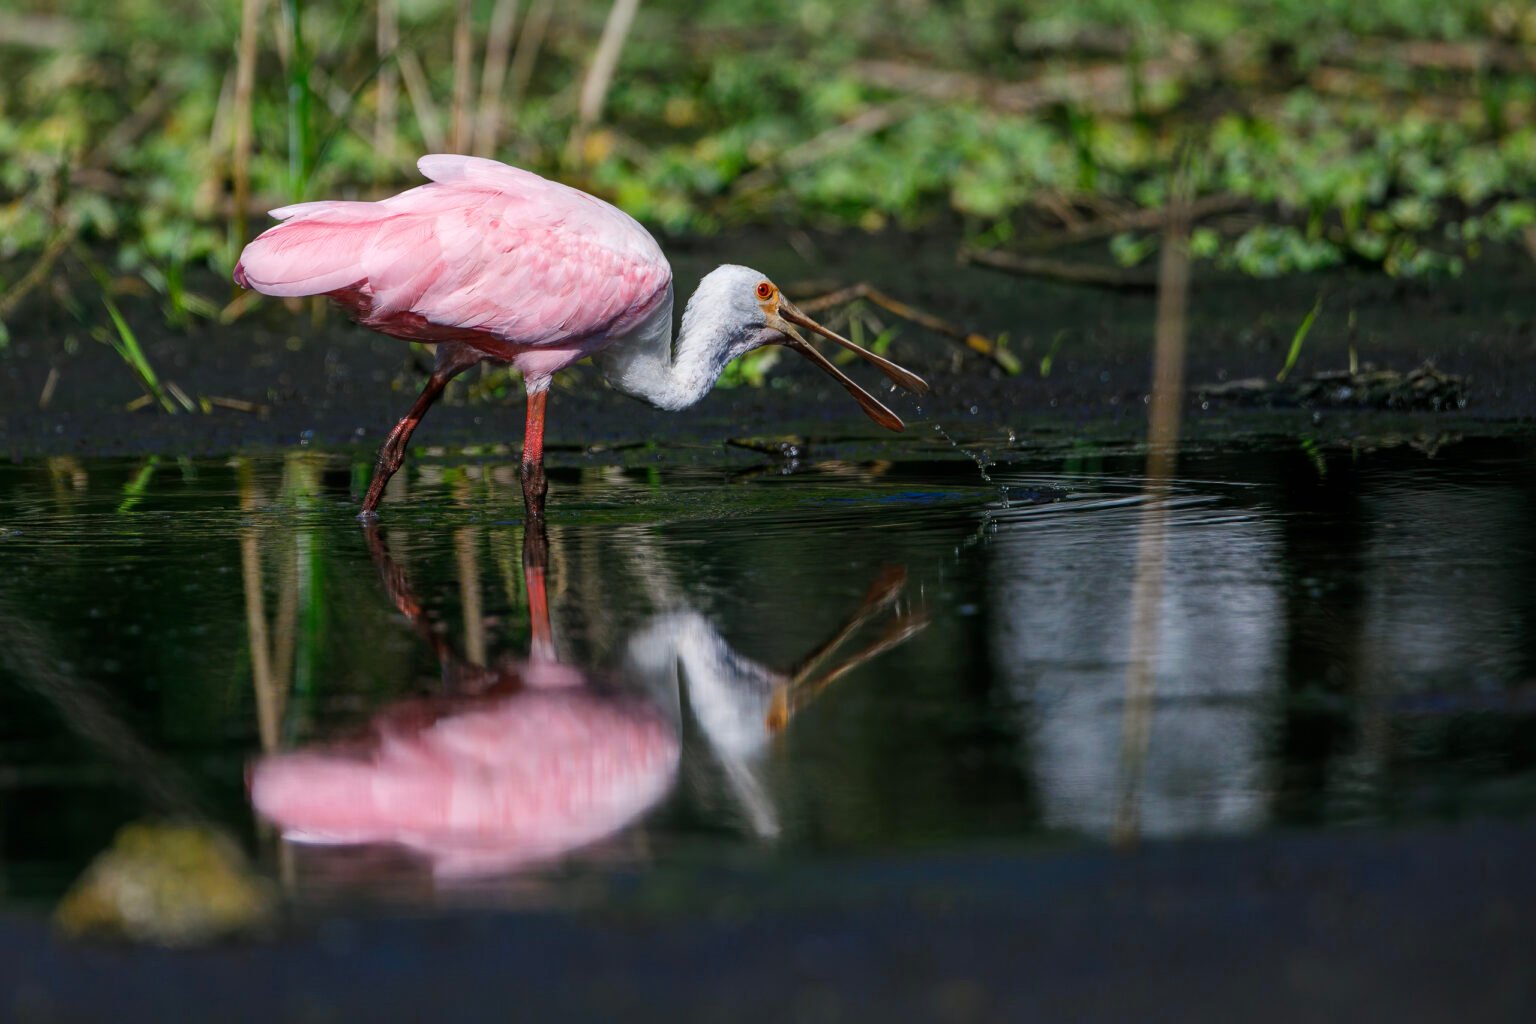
(520, 762)
(531, 759)
(492, 262)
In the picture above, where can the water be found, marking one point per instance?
(1346, 638)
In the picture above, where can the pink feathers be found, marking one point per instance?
(486, 253)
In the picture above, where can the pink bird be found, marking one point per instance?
(490, 262)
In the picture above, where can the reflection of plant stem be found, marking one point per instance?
(507, 545)
(269, 697)
(466, 546)
(300, 485)
(1151, 542)
(30, 657)
(284, 642)
(133, 490)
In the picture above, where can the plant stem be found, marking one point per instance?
(300, 104)
(527, 53)
(245, 83)
(388, 39)
(428, 122)
(498, 48)
(458, 138)
(594, 89)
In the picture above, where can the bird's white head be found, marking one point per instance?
(725, 313)
(733, 311)
(737, 309)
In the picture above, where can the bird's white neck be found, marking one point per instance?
(648, 365)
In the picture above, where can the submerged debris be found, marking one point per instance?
(789, 448)
(168, 884)
(1366, 388)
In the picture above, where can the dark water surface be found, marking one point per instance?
(751, 666)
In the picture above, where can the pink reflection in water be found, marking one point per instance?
(478, 785)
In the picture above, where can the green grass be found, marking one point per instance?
(1298, 339)
(1341, 141)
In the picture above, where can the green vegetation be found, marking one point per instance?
(1400, 134)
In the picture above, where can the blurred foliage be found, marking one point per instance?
(1398, 134)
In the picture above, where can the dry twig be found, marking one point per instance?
(1090, 274)
(1103, 86)
(972, 341)
(1113, 223)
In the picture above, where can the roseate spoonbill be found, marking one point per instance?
(490, 262)
(533, 759)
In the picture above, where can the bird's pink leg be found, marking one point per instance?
(534, 484)
(453, 359)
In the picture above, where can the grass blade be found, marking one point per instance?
(1300, 337)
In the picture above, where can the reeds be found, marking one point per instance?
(301, 106)
(463, 57)
(526, 55)
(1300, 337)
(387, 39)
(126, 343)
(605, 60)
(498, 51)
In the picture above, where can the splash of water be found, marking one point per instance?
(983, 460)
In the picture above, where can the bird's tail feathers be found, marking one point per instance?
(317, 249)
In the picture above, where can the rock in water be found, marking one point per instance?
(168, 884)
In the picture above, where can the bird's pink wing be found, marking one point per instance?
(484, 247)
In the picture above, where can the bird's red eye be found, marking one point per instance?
(765, 290)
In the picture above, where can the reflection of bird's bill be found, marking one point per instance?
(804, 683)
(790, 315)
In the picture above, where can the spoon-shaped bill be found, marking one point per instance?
(899, 375)
(868, 402)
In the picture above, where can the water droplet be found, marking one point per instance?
(982, 459)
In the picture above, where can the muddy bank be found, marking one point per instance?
(328, 382)
(1328, 928)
